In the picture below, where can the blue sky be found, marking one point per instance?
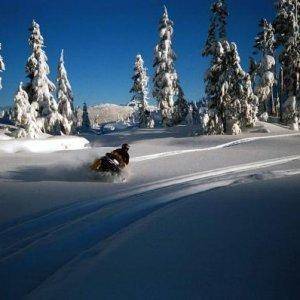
(101, 39)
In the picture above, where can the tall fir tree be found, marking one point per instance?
(140, 91)
(78, 117)
(40, 88)
(217, 30)
(265, 40)
(286, 25)
(211, 41)
(264, 43)
(231, 103)
(240, 103)
(65, 97)
(253, 69)
(220, 10)
(2, 67)
(181, 107)
(214, 119)
(86, 123)
(165, 77)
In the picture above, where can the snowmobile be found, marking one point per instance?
(113, 162)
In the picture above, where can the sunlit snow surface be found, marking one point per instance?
(44, 145)
(192, 217)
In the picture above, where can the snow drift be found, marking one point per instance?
(46, 145)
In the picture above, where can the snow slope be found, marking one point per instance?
(86, 225)
(234, 243)
(59, 223)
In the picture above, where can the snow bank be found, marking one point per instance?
(46, 145)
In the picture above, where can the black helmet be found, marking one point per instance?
(125, 147)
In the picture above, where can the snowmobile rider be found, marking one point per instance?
(120, 155)
(114, 161)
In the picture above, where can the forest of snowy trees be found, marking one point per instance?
(234, 98)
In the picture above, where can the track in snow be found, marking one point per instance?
(35, 249)
(221, 146)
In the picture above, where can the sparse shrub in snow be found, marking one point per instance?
(2, 68)
(65, 98)
(40, 88)
(165, 77)
(140, 92)
(264, 42)
(25, 115)
(86, 124)
(287, 36)
(181, 107)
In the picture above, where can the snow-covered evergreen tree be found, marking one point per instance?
(253, 70)
(65, 97)
(240, 103)
(165, 77)
(217, 29)
(231, 103)
(78, 117)
(140, 92)
(265, 40)
(196, 113)
(211, 41)
(287, 35)
(181, 107)
(212, 121)
(40, 88)
(291, 112)
(190, 116)
(86, 123)
(21, 106)
(286, 20)
(25, 115)
(264, 43)
(220, 11)
(2, 68)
